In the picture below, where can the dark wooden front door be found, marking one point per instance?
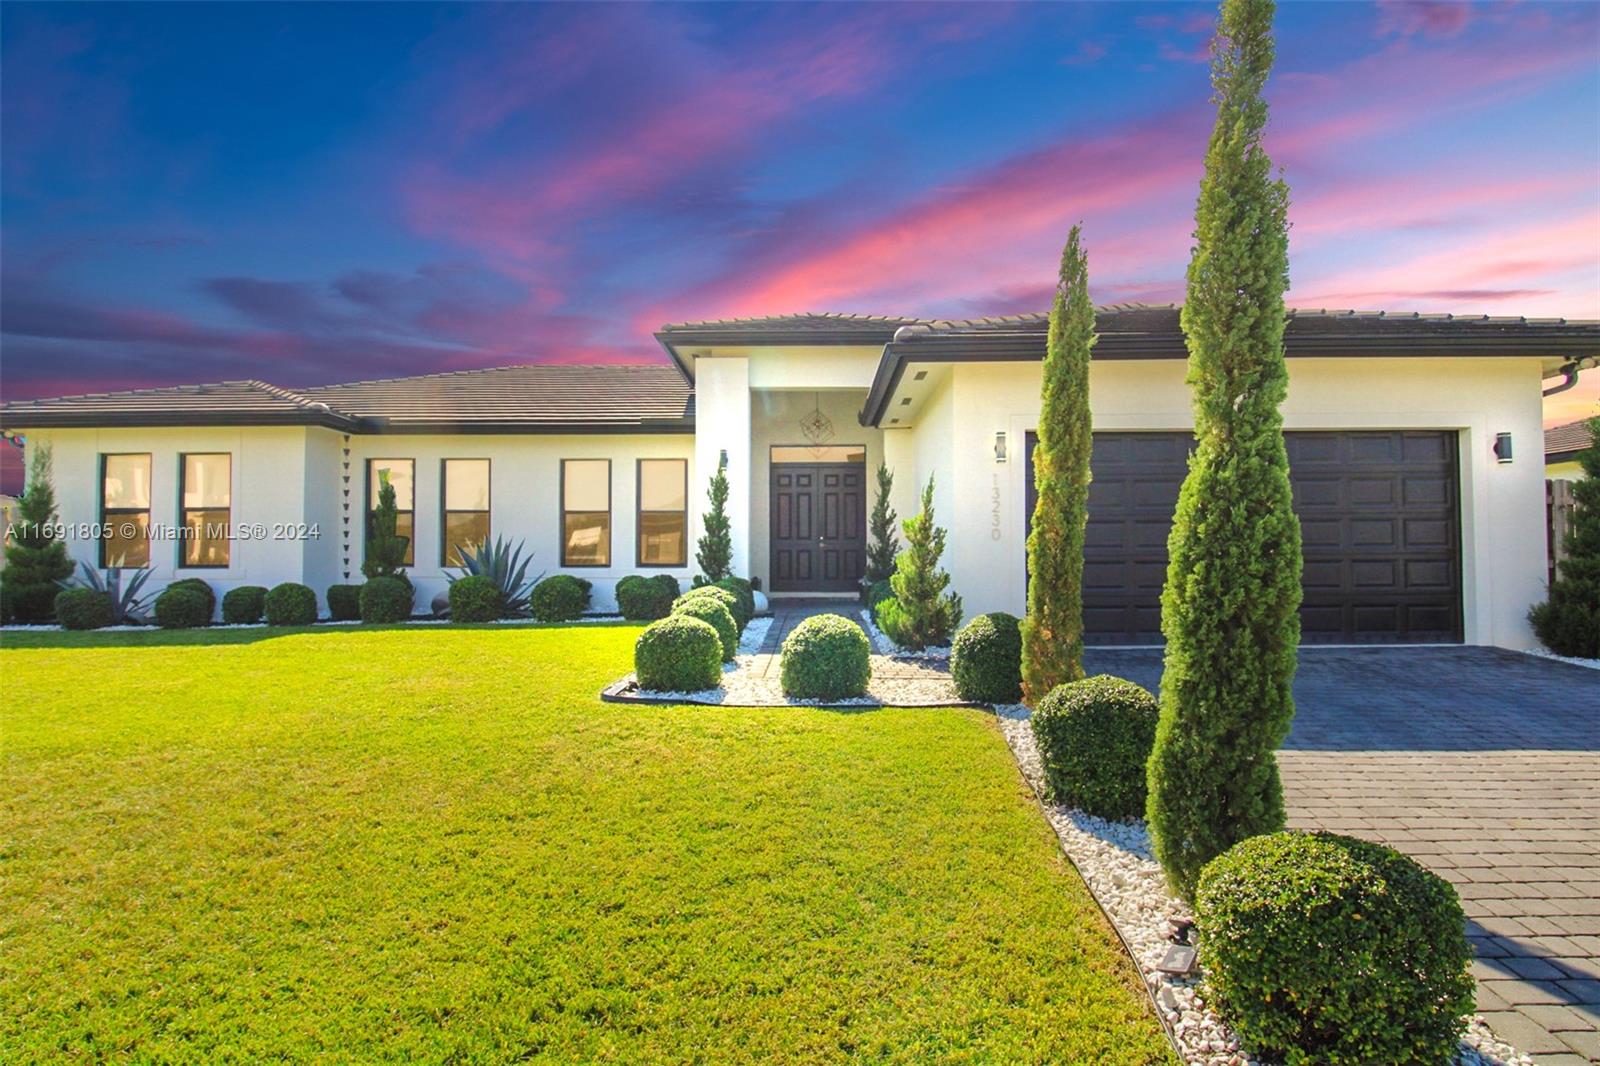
(819, 526)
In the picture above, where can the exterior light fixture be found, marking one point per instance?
(1000, 446)
(1502, 447)
(722, 463)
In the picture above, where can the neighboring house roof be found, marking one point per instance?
(1563, 443)
(515, 399)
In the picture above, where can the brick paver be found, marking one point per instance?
(1485, 766)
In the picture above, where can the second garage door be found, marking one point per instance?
(1379, 524)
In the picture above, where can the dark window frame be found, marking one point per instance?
(372, 502)
(444, 507)
(610, 511)
(106, 513)
(183, 511)
(639, 512)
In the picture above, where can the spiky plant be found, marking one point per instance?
(127, 605)
(503, 564)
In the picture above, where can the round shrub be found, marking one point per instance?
(83, 609)
(1322, 948)
(986, 659)
(679, 653)
(715, 594)
(1094, 738)
(386, 599)
(747, 599)
(181, 608)
(717, 616)
(291, 604)
(203, 589)
(641, 599)
(344, 602)
(474, 599)
(559, 598)
(243, 606)
(827, 657)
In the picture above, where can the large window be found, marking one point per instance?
(663, 512)
(125, 510)
(402, 475)
(466, 506)
(586, 512)
(206, 491)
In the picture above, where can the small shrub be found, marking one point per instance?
(344, 602)
(986, 659)
(717, 616)
(666, 585)
(641, 599)
(892, 623)
(181, 608)
(243, 606)
(204, 589)
(1324, 949)
(559, 598)
(79, 608)
(746, 596)
(1094, 738)
(679, 653)
(385, 600)
(291, 604)
(716, 594)
(876, 593)
(826, 658)
(474, 599)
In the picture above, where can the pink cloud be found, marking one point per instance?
(1430, 18)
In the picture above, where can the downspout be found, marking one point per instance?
(1570, 372)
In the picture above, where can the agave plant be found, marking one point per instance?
(503, 564)
(126, 603)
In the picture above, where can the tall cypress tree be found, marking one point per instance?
(36, 559)
(714, 552)
(385, 555)
(1052, 633)
(1233, 581)
(885, 543)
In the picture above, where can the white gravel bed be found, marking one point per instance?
(1540, 653)
(754, 635)
(884, 646)
(1116, 862)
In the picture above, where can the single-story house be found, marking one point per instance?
(1411, 437)
(1561, 447)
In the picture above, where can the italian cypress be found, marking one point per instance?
(1568, 623)
(885, 544)
(1233, 580)
(1052, 633)
(36, 559)
(930, 615)
(386, 548)
(714, 552)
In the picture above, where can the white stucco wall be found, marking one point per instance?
(1501, 506)
(722, 425)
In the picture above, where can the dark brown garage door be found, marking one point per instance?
(1378, 518)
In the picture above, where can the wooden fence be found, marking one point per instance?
(1559, 506)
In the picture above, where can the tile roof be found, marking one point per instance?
(1120, 317)
(237, 402)
(816, 321)
(1572, 437)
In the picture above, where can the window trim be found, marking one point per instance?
(148, 510)
(639, 512)
(366, 516)
(610, 513)
(444, 508)
(183, 512)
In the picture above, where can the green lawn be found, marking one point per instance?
(437, 845)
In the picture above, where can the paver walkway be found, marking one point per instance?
(1485, 766)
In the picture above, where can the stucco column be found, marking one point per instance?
(722, 425)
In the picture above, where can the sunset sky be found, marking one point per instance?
(308, 194)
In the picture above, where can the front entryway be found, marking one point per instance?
(819, 526)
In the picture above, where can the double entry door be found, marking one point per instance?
(819, 526)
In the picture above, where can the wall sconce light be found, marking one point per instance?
(1502, 447)
(722, 463)
(1000, 447)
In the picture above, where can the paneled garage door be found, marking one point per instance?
(1379, 520)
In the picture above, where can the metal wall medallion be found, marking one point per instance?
(816, 427)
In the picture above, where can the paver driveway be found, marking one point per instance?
(1484, 765)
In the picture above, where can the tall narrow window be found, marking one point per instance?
(125, 510)
(206, 490)
(466, 506)
(586, 512)
(663, 512)
(402, 475)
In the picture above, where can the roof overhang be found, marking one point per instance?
(90, 419)
(684, 345)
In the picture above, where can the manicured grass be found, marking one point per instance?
(432, 845)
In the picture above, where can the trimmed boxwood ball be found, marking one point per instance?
(83, 609)
(1320, 948)
(1094, 739)
(344, 602)
(474, 599)
(387, 599)
(641, 599)
(203, 589)
(679, 653)
(243, 606)
(717, 616)
(746, 596)
(558, 598)
(181, 608)
(716, 594)
(986, 659)
(826, 657)
(291, 604)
